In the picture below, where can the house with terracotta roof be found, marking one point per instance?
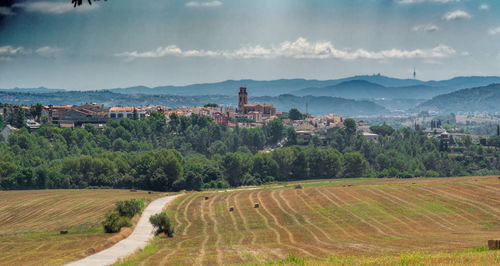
(117, 112)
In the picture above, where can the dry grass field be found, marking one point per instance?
(357, 221)
(30, 222)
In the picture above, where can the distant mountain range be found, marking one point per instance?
(376, 93)
(479, 99)
(386, 86)
(377, 86)
(361, 89)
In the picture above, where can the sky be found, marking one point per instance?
(123, 43)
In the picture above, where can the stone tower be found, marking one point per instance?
(242, 98)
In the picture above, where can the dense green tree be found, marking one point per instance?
(232, 166)
(162, 223)
(354, 164)
(264, 166)
(291, 136)
(350, 126)
(274, 130)
(294, 114)
(135, 115)
(20, 118)
(383, 130)
(494, 141)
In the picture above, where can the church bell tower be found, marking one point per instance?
(242, 98)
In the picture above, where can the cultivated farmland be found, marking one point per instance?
(354, 221)
(30, 222)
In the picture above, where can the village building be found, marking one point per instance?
(117, 112)
(76, 115)
(265, 110)
(370, 136)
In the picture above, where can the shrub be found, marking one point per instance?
(162, 224)
(114, 222)
(431, 173)
(129, 208)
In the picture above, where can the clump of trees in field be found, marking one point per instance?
(194, 153)
(162, 223)
(122, 215)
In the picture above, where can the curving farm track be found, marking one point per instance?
(142, 234)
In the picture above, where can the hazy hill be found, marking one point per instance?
(229, 87)
(324, 105)
(479, 99)
(33, 90)
(417, 89)
(361, 89)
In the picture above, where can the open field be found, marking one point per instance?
(30, 222)
(354, 221)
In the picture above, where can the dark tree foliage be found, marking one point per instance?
(195, 153)
(383, 130)
(162, 223)
(80, 2)
(294, 114)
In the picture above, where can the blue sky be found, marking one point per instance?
(121, 43)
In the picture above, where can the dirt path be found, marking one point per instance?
(143, 232)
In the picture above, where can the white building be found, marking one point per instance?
(125, 111)
(370, 136)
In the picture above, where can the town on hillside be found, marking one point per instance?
(247, 115)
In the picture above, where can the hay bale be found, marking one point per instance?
(63, 232)
(206, 198)
(299, 186)
(231, 209)
(149, 192)
(493, 244)
(133, 190)
(256, 205)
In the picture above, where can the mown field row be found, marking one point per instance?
(30, 222)
(369, 219)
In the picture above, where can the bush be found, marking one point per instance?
(162, 224)
(431, 173)
(129, 208)
(114, 222)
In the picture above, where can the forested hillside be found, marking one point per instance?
(195, 153)
(480, 99)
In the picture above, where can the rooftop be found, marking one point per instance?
(123, 109)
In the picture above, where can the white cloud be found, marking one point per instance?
(48, 51)
(48, 7)
(484, 7)
(8, 52)
(494, 31)
(426, 28)
(298, 49)
(456, 15)
(6, 11)
(409, 2)
(215, 3)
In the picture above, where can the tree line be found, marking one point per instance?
(195, 153)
